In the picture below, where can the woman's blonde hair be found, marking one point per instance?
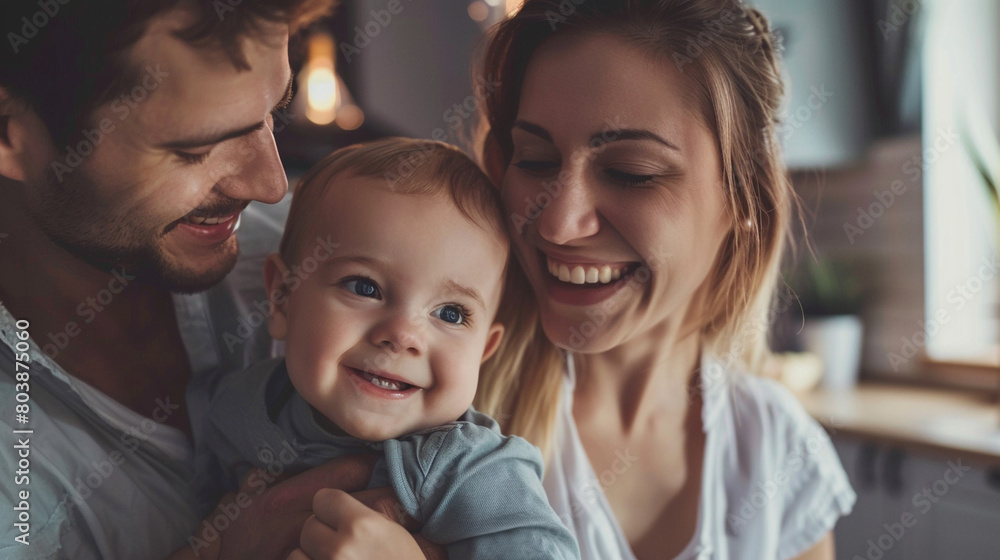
(727, 51)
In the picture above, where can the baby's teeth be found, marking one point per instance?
(578, 275)
(592, 275)
(605, 276)
(564, 273)
(385, 384)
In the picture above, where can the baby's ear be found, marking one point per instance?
(275, 273)
(493, 339)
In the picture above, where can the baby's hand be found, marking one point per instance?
(343, 528)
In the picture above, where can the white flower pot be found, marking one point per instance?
(837, 341)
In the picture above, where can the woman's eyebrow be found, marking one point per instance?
(533, 128)
(603, 137)
(612, 135)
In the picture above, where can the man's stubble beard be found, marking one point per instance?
(69, 214)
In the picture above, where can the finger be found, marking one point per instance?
(349, 474)
(431, 551)
(336, 508)
(384, 501)
(318, 539)
(297, 554)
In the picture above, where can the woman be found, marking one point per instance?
(635, 140)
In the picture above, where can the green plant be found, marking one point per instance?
(984, 151)
(827, 287)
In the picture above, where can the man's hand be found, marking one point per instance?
(343, 528)
(270, 522)
(266, 521)
(366, 524)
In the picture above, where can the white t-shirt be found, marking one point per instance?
(772, 484)
(105, 481)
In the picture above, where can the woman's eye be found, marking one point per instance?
(364, 287)
(193, 159)
(536, 166)
(454, 314)
(628, 179)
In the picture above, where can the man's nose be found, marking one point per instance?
(255, 171)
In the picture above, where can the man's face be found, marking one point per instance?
(163, 171)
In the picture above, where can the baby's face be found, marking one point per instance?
(385, 336)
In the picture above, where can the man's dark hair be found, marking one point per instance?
(64, 58)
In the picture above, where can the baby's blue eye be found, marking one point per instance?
(363, 287)
(451, 314)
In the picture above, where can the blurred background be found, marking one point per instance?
(887, 327)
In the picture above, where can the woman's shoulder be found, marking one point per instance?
(764, 425)
(768, 400)
(781, 472)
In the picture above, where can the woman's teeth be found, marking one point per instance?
(579, 274)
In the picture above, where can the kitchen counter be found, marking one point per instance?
(918, 418)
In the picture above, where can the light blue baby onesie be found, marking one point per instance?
(475, 491)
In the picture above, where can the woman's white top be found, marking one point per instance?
(772, 484)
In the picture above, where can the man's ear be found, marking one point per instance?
(18, 126)
(275, 273)
(493, 339)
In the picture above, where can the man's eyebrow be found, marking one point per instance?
(467, 291)
(200, 142)
(603, 137)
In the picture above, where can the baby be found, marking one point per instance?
(384, 338)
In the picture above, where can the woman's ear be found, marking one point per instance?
(493, 339)
(275, 273)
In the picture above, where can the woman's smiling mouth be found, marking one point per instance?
(583, 273)
(585, 283)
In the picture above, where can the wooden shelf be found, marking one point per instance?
(938, 421)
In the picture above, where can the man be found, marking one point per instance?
(133, 135)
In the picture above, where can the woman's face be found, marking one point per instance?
(614, 193)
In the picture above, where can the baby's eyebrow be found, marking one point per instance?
(360, 259)
(470, 292)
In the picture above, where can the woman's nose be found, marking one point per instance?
(571, 214)
(397, 334)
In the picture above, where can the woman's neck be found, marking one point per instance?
(651, 372)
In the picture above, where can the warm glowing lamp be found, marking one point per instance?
(326, 97)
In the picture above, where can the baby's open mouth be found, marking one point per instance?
(384, 382)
